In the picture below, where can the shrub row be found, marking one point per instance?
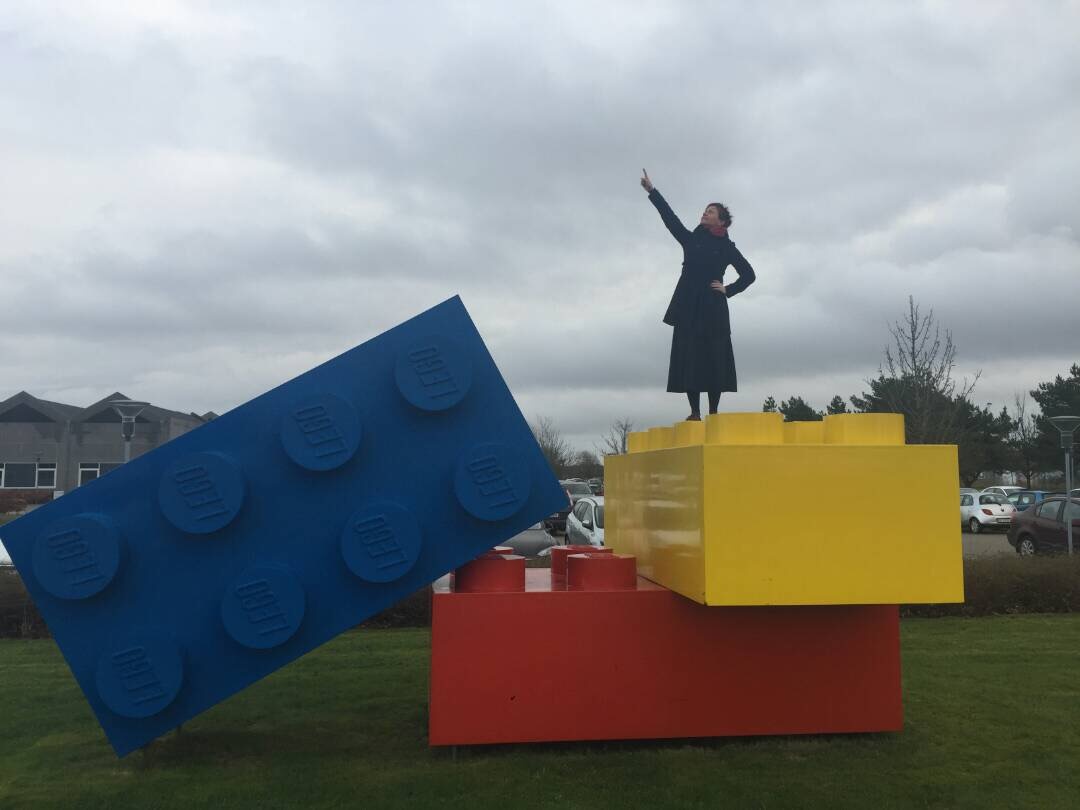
(992, 586)
(18, 616)
(1010, 584)
(16, 500)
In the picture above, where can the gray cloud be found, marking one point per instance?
(205, 202)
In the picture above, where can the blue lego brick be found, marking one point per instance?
(194, 570)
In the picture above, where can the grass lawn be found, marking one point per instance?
(992, 720)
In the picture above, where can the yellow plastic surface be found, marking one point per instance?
(755, 511)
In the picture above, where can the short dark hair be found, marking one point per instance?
(722, 210)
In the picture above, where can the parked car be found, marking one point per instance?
(985, 510)
(585, 523)
(575, 490)
(1042, 528)
(531, 541)
(1026, 498)
(1004, 492)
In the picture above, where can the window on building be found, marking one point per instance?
(46, 476)
(20, 476)
(36, 475)
(89, 470)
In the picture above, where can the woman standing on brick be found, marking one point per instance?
(701, 355)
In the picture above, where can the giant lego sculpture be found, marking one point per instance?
(772, 557)
(189, 573)
(750, 586)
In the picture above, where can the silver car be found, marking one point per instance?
(531, 542)
(585, 523)
(985, 510)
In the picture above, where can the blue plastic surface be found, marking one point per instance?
(185, 575)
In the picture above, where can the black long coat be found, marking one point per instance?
(705, 258)
(701, 355)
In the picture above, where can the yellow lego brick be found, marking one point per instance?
(745, 509)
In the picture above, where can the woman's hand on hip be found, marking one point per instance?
(720, 288)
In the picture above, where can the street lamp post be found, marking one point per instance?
(128, 409)
(1067, 425)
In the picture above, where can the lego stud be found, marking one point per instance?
(78, 556)
(560, 553)
(320, 433)
(263, 607)
(637, 441)
(688, 434)
(492, 482)
(434, 373)
(744, 428)
(201, 492)
(601, 572)
(864, 428)
(804, 432)
(381, 541)
(661, 438)
(491, 573)
(140, 675)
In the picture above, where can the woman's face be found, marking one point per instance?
(711, 217)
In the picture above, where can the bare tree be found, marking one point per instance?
(613, 443)
(916, 380)
(1024, 440)
(586, 464)
(555, 448)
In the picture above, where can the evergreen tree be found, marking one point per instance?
(796, 409)
(837, 405)
(769, 406)
(1058, 397)
(982, 441)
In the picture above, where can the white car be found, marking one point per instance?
(585, 523)
(1004, 492)
(985, 510)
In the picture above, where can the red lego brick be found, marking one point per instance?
(558, 662)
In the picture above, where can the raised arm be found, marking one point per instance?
(745, 271)
(678, 230)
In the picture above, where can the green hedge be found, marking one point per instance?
(18, 616)
(992, 586)
(1011, 584)
(13, 501)
(20, 619)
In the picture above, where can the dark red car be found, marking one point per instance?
(1041, 529)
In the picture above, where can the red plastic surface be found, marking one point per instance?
(560, 553)
(491, 573)
(601, 572)
(555, 664)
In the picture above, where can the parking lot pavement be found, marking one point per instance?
(986, 544)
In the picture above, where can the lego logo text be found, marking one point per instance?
(491, 482)
(136, 674)
(261, 606)
(432, 372)
(199, 493)
(74, 557)
(377, 537)
(319, 430)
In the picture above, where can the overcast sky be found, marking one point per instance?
(202, 200)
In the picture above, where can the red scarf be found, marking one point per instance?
(718, 230)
